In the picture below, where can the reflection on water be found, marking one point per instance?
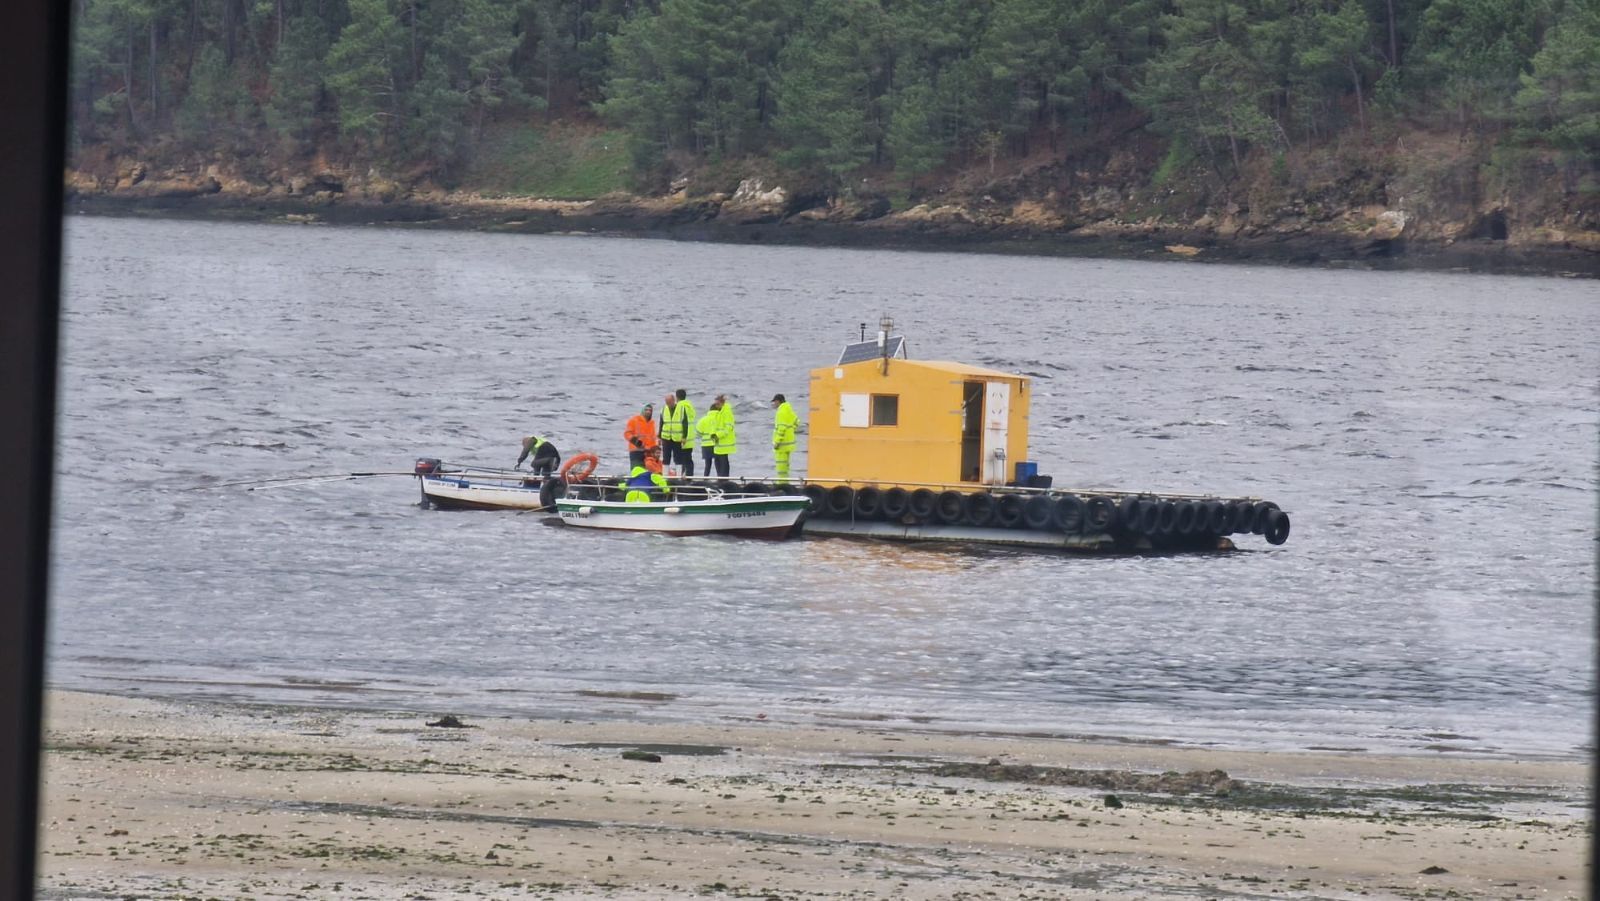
(1432, 441)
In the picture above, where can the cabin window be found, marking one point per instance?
(885, 409)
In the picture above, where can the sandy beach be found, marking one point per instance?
(183, 799)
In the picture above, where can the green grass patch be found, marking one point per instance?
(557, 162)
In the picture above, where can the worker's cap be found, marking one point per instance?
(777, 398)
(648, 407)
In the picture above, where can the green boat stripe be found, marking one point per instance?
(568, 506)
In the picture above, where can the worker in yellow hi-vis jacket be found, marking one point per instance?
(783, 426)
(706, 429)
(726, 442)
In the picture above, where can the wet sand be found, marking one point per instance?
(167, 799)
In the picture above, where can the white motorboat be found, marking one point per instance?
(687, 510)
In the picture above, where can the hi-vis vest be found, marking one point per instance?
(675, 423)
(639, 483)
(707, 428)
(689, 430)
(783, 426)
(725, 437)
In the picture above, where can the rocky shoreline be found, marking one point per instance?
(1368, 238)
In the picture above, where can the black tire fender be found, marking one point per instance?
(1128, 510)
(1277, 531)
(923, 500)
(979, 509)
(552, 489)
(1008, 510)
(1188, 518)
(949, 507)
(1262, 510)
(1039, 512)
(896, 501)
(818, 496)
(1150, 517)
(841, 500)
(1167, 523)
(1244, 516)
(1100, 514)
(1069, 514)
(869, 502)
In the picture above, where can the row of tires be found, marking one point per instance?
(1145, 515)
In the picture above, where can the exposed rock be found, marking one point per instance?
(1034, 215)
(176, 186)
(381, 189)
(1183, 250)
(77, 182)
(944, 214)
(1582, 240)
(1391, 225)
(131, 175)
(754, 203)
(752, 193)
(871, 208)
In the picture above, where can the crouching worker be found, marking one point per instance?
(545, 456)
(640, 484)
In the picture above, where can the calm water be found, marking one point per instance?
(1433, 435)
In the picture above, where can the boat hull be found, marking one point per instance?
(449, 492)
(754, 517)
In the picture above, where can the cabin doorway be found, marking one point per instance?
(971, 431)
(996, 426)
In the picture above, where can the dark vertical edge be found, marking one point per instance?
(33, 82)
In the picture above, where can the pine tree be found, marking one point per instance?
(215, 97)
(1559, 100)
(697, 76)
(296, 78)
(1208, 87)
(361, 70)
(915, 142)
(1470, 55)
(827, 114)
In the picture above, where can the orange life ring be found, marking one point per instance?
(586, 464)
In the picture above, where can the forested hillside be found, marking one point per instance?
(1202, 102)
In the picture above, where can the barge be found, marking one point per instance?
(912, 450)
(929, 450)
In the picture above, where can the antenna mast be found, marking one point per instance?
(885, 324)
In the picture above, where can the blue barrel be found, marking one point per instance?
(1026, 472)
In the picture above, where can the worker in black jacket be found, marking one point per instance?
(545, 456)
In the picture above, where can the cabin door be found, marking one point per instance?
(971, 432)
(996, 421)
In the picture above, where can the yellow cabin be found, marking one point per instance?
(879, 418)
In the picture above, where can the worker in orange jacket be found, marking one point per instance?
(640, 433)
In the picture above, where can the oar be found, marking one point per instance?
(266, 483)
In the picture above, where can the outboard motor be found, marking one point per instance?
(427, 466)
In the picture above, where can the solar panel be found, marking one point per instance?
(868, 350)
